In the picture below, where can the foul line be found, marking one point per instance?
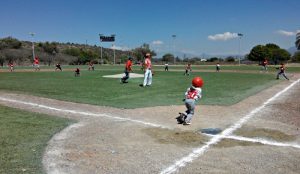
(227, 132)
(263, 141)
(81, 113)
(259, 140)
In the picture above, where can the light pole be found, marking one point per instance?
(32, 35)
(113, 35)
(101, 60)
(174, 37)
(240, 35)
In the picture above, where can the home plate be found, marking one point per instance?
(131, 75)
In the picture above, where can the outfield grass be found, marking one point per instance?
(168, 87)
(252, 68)
(23, 138)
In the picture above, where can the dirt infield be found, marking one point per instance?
(148, 140)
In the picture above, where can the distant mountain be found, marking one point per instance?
(292, 50)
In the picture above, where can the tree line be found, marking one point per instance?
(20, 52)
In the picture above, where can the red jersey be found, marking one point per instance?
(36, 61)
(193, 93)
(128, 65)
(148, 64)
(265, 62)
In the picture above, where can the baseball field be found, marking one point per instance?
(54, 122)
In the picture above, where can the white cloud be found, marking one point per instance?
(225, 36)
(286, 33)
(157, 42)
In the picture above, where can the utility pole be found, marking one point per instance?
(174, 37)
(240, 37)
(113, 35)
(32, 35)
(101, 59)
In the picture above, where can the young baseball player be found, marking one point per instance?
(128, 69)
(11, 66)
(36, 64)
(218, 67)
(77, 72)
(148, 71)
(188, 69)
(281, 72)
(58, 67)
(91, 66)
(192, 94)
(264, 65)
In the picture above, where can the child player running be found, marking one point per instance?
(192, 94)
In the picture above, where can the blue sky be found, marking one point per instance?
(201, 26)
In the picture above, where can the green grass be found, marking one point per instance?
(253, 68)
(168, 87)
(23, 138)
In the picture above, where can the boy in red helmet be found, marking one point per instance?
(192, 94)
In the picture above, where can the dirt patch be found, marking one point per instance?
(177, 137)
(117, 76)
(265, 133)
(227, 143)
(255, 133)
(151, 149)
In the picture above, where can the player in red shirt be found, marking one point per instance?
(148, 71)
(36, 64)
(192, 94)
(264, 65)
(128, 69)
(11, 66)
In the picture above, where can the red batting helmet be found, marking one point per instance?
(197, 82)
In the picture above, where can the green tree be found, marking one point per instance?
(72, 51)
(296, 56)
(213, 59)
(2, 58)
(230, 59)
(10, 42)
(49, 48)
(259, 53)
(280, 55)
(140, 52)
(269, 51)
(168, 57)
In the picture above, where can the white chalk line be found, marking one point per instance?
(51, 163)
(263, 141)
(227, 132)
(54, 151)
(81, 112)
(258, 140)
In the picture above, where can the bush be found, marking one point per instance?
(10, 42)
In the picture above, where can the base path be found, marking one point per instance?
(148, 140)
